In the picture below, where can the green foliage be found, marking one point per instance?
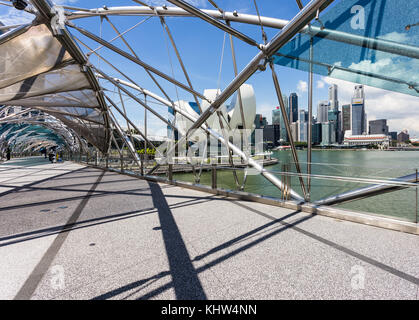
(300, 144)
(372, 146)
(149, 151)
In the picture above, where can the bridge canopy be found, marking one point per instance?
(38, 72)
(23, 137)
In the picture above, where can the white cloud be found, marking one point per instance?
(302, 86)
(396, 36)
(14, 16)
(320, 84)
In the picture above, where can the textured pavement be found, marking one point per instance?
(74, 232)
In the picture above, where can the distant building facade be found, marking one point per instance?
(271, 134)
(358, 117)
(317, 133)
(378, 127)
(403, 137)
(333, 98)
(346, 117)
(294, 131)
(260, 121)
(283, 130)
(293, 105)
(322, 110)
(328, 133)
(302, 126)
(276, 116)
(333, 117)
(367, 139)
(393, 135)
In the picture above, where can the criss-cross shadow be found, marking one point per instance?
(138, 285)
(46, 232)
(97, 193)
(283, 226)
(32, 282)
(19, 188)
(183, 263)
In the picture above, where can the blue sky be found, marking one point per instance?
(200, 46)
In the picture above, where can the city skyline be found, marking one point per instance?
(333, 125)
(372, 98)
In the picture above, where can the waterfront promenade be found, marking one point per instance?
(68, 231)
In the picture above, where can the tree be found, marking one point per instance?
(300, 144)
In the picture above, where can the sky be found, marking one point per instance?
(210, 66)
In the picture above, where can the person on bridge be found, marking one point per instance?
(8, 153)
(44, 152)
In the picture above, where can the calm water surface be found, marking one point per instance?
(346, 163)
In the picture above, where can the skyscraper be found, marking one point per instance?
(303, 115)
(260, 121)
(283, 130)
(293, 107)
(393, 135)
(333, 97)
(276, 116)
(358, 117)
(322, 109)
(294, 131)
(365, 122)
(346, 117)
(317, 133)
(359, 92)
(302, 126)
(328, 133)
(271, 134)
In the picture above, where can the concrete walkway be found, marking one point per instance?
(74, 232)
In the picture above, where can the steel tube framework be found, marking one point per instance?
(310, 119)
(287, 127)
(135, 60)
(377, 44)
(206, 17)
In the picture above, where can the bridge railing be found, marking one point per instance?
(376, 189)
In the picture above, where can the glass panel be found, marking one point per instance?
(398, 204)
(363, 41)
